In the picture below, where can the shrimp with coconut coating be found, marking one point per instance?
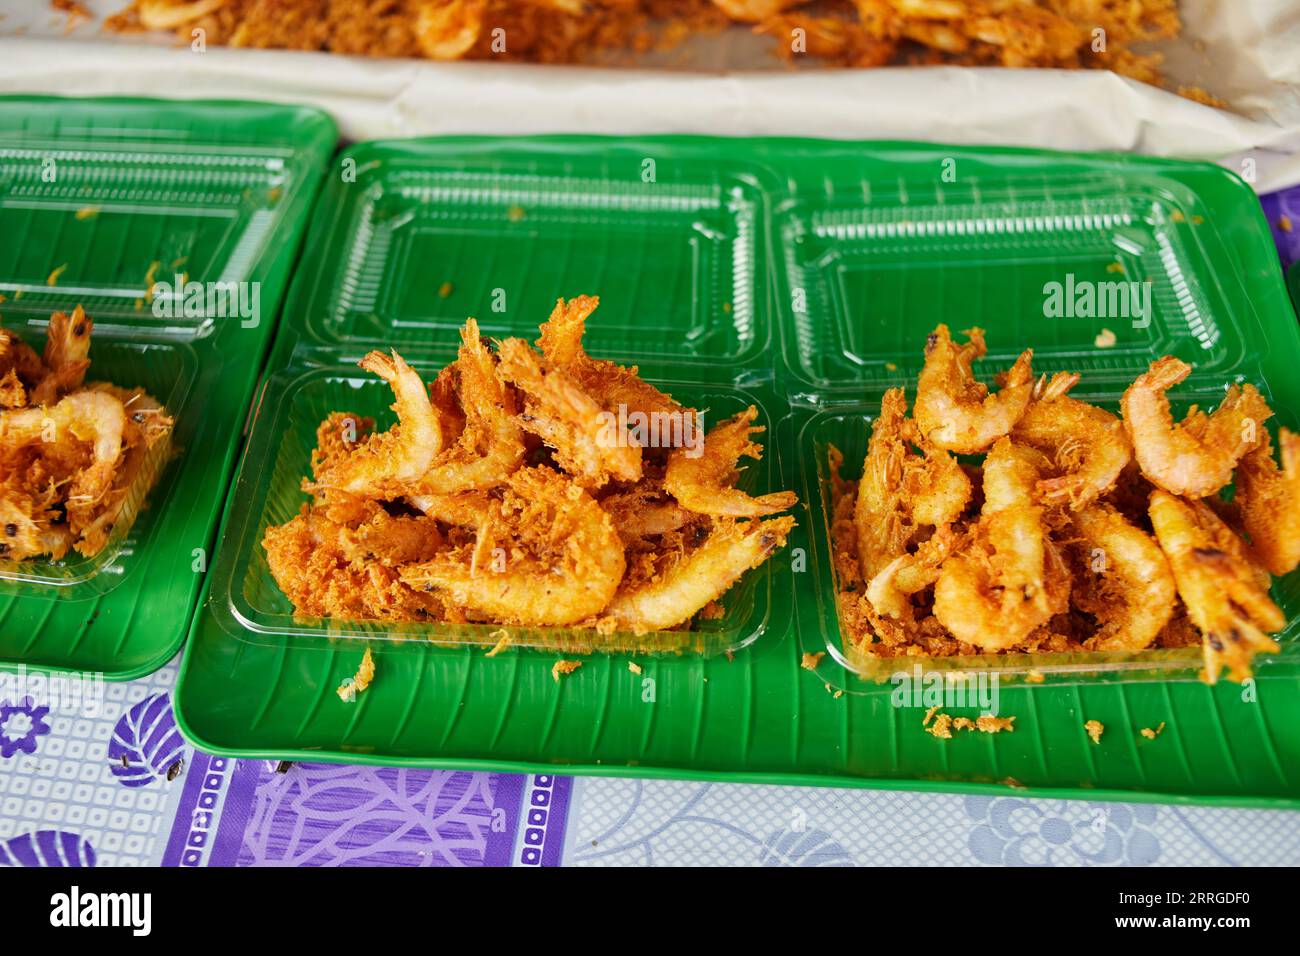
(491, 445)
(953, 409)
(66, 358)
(677, 593)
(1196, 458)
(611, 385)
(1087, 445)
(702, 481)
(1127, 586)
(1011, 579)
(900, 490)
(562, 562)
(1226, 595)
(1268, 501)
(558, 411)
(387, 461)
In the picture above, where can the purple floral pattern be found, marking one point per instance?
(145, 743)
(1017, 832)
(326, 815)
(21, 724)
(47, 848)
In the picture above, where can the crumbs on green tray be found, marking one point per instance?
(503, 641)
(562, 668)
(53, 278)
(354, 685)
(1150, 734)
(1095, 729)
(809, 662)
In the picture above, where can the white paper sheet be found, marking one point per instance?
(1246, 51)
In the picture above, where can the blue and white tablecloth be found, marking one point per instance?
(122, 788)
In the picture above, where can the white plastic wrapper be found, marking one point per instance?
(1244, 51)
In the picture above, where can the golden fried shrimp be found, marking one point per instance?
(645, 510)
(901, 491)
(66, 358)
(448, 29)
(170, 14)
(611, 385)
(562, 562)
(325, 570)
(701, 576)
(92, 417)
(702, 480)
(1127, 587)
(890, 591)
(491, 446)
(587, 444)
(1196, 458)
(1087, 445)
(953, 410)
(1011, 579)
(387, 461)
(1268, 501)
(25, 524)
(1225, 594)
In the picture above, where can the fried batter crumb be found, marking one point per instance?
(1150, 734)
(354, 685)
(634, 667)
(86, 212)
(835, 693)
(445, 290)
(53, 278)
(1105, 339)
(563, 668)
(503, 641)
(945, 724)
(1095, 729)
(809, 662)
(942, 727)
(1034, 677)
(1013, 783)
(1284, 223)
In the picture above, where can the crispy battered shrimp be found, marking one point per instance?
(387, 461)
(448, 29)
(67, 356)
(754, 11)
(557, 410)
(1087, 444)
(611, 385)
(170, 14)
(901, 491)
(645, 510)
(1011, 579)
(891, 590)
(1268, 500)
(703, 482)
(1128, 586)
(562, 563)
(1225, 594)
(954, 410)
(491, 445)
(93, 417)
(1196, 458)
(701, 576)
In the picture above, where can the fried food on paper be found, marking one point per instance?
(76, 458)
(1056, 34)
(513, 490)
(1081, 531)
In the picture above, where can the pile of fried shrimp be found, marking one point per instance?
(1077, 530)
(74, 455)
(1060, 34)
(510, 491)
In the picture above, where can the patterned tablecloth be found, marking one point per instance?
(123, 788)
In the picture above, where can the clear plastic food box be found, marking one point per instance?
(803, 277)
(100, 199)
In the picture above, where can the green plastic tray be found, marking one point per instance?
(805, 272)
(114, 193)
